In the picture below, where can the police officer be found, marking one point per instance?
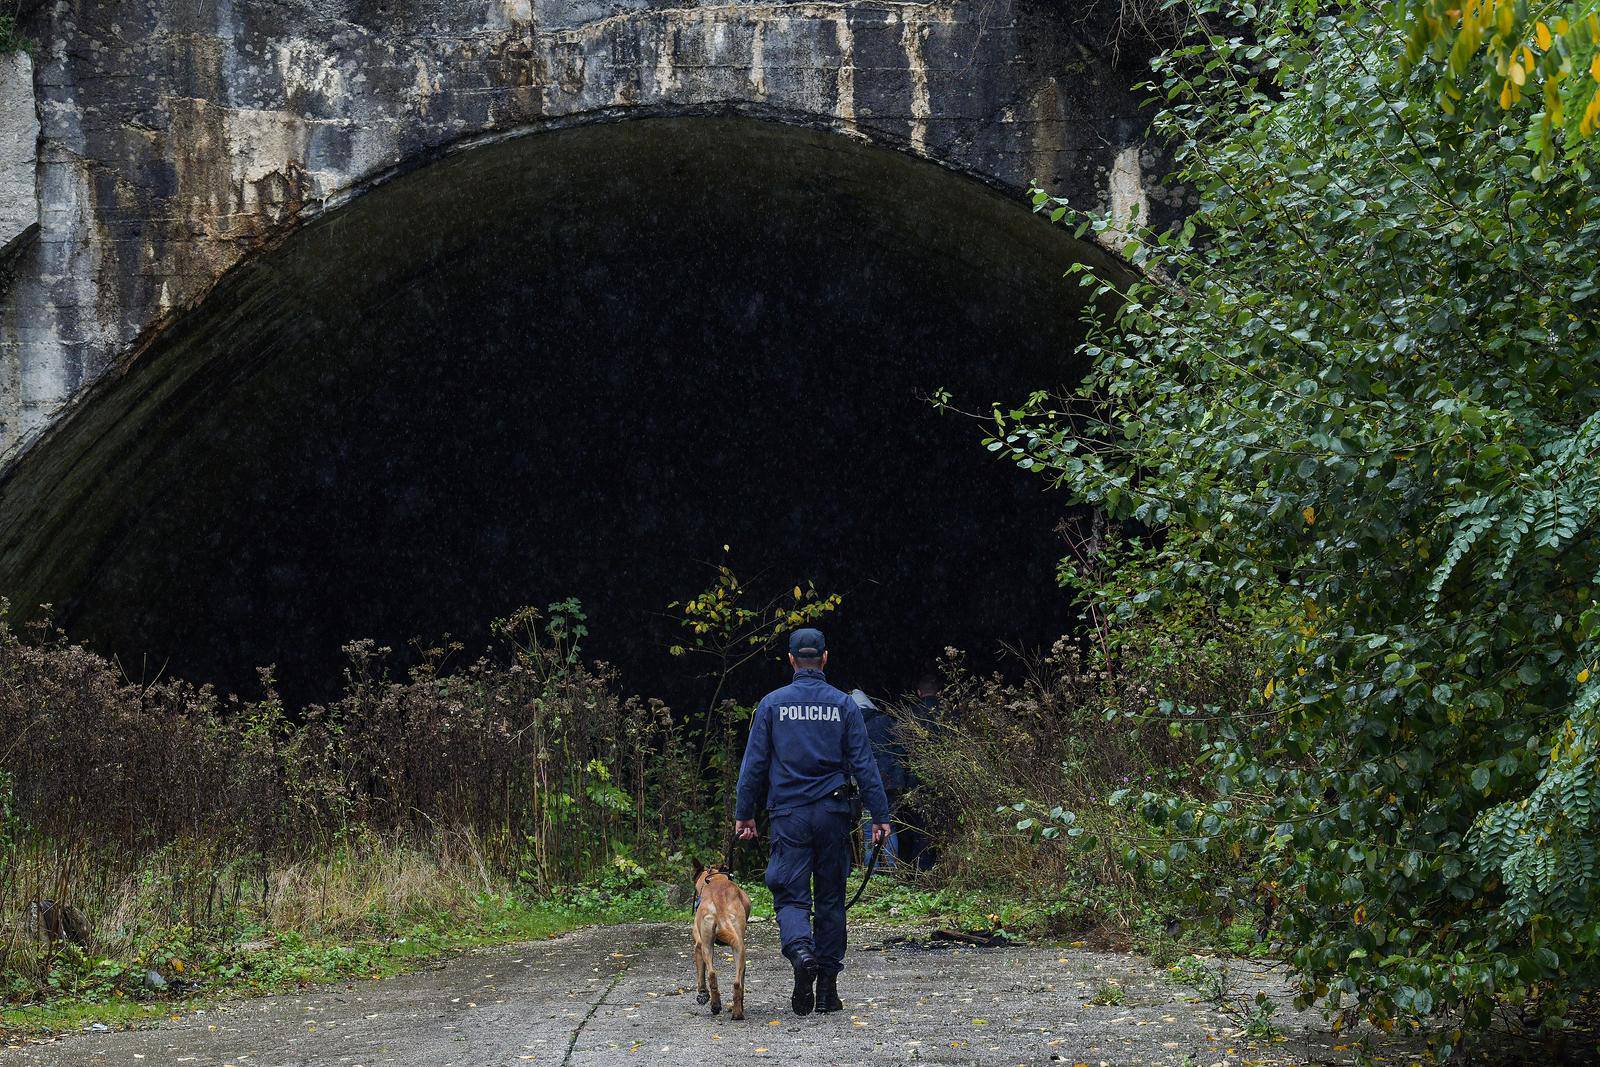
(806, 740)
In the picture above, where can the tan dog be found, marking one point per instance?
(722, 911)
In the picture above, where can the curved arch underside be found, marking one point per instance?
(575, 363)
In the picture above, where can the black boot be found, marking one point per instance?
(804, 997)
(828, 993)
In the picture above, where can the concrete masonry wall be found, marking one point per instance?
(179, 136)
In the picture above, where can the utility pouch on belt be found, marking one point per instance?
(850, 793)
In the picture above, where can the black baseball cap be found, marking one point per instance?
(807, 643)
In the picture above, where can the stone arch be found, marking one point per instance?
(176, 140)
(405, 399)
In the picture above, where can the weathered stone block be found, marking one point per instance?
(19, 138)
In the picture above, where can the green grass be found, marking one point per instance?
(64, 1016)
(89, 990)
(1055, 915)
(1109, 993)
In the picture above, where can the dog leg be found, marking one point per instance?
(711, 979)
(701, 996)
(738, 978)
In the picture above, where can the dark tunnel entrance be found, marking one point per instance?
(576, 363)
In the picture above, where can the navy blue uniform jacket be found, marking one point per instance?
(805, 739)
(881, 730)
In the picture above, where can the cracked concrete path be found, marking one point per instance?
(624, 994)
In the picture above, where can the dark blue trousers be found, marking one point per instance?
(807, 872)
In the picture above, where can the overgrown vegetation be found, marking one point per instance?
(529, 749)
(1018, 777)
(183, 842)
(726, 628)
(161, 829)
(1351, 407)
(1012, 786)
(11, 37)
(369, 908)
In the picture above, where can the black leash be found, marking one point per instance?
(872, 865)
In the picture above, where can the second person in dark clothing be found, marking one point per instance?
(890, 751)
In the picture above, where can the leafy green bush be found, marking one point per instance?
(1358, 388)
(624, 882)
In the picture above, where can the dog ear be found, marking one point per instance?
(699, 869)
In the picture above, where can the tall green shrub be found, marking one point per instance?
(1359, 385)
